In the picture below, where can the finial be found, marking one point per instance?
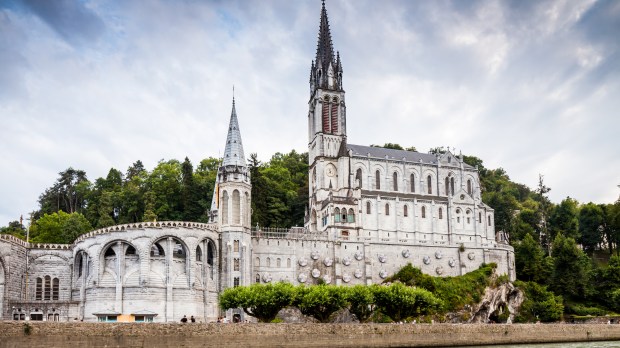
(233, 93)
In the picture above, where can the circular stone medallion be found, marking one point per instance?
(358, 273)
(426, 260)
(316, 273)
(452, 263)
(314, 255)
(471, 256)
(383, 274)
(406, 253)
(302, 278)
(328, 261)
(382, 258)
(359, 256)
(346, 278)
(327, 279)
(267, 277)
(346, 261)
(303, 262)
(438, 255)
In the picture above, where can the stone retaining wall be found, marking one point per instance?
(49, 334)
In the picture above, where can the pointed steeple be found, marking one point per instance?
(325, 70)
(233, 154)
(324, 48)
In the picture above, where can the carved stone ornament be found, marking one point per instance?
(452, 262)
(327, 279)
(267, 277)
(302, 278)
(303, 262)
(406, 253)
(328, 262)
(346, 261)
(346, 278)
(439, 270)
(382, 258)
(471, 256)
(358, 273)
(383, 274)
(426, 260)
(316, 273)
(438, 255)
(359, 256)
(314, 255)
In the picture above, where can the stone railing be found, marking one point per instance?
(13, 239)
(287, 233)
(143, 225)
(50, 246)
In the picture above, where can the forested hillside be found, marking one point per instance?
(565, 246)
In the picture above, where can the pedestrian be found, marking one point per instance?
(192, 319)
(184, 319)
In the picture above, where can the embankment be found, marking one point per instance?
(49, 334)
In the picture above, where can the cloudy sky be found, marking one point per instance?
(529, 86)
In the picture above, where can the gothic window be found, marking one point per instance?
(288, 263)
(278, 262)
(178, 251)
(458, 215)
(257, 262)
(236, 207)
(387, 209)
(337, 215)
(358, 176)
(377, 180)
(80, 264)
(440, 213)
(236, 246)
(334, 115)
(236, 265)
(198, 253)
(343, 215)
(47, 288)
(130, 250)
(469, 187)
(405, 211)
(38, 294)
(423, 212)
(447, 186)
(325, 115)
(157, 250)
(489, 220)
(236, 282)
(351, 215)
(268, 262)
(480, 217)
(452, 186)
(55, 289)
(429, 184)
(210, 253)
(257, 280)
(412, 182)
(468, 212)
(225, 208)
(395, 181)
(368, 208)
(109, 252)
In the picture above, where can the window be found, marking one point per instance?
(47, 289)
(179, 251)
(210, 253)
(387, 209)
(405, 211)
(343, 215)
(452, 186)
(268, 262)
(377, 180)
(198, 254)
(351, 215)
(412, 179)
(55, 289)
(489, 220)
(109, 252)
(278, 262)
(447, 186)
(236, 211)
(395, 181)
(288, 263)
(429, 184)
(358, 176)
(423, 212)
(38, 293)
(236, 265)
(337, 215)
(469, 187)
(236, 246)
(480, 217)
(367, 207)
(257, 280)
(157, 250)
(130, 250)
(440, 213)
(236, 282)
(257, 262)
(468, 212)
(225, 208)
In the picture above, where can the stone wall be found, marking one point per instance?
(12, 334)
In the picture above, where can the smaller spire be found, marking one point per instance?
(233, 153)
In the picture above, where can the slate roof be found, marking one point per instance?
(233, 154)
(398, 155)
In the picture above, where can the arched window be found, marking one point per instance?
(343, 215)
(387, 209)
(257, 262)
(458, 215)
(334, 115)
(225, 208)
(236, 207)
(235, 264)
(157, 250)
(325, 115)
(288, 263)
(257, 280)
(452, 186)
(55, 289)
(440, 213)
(447, 186)
(377, 180)
(468, 213)
(109, 252)
(236, 282)
(337, 215)
(248, 209)
(210, 253)
(489, 220)
(395, 181)
(236, 246)
(178, 251)
(368, 207)
(480, 217)
(405, 211)
(198, 253)
(429, 184)
(278, 262)
(469, 186)
(412, 178)
(38, 294)
(268, 262)
(130, 250)
(423, 212)
(351, 215)
(358, 176)
(47, 288)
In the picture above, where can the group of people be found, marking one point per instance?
(184, 319)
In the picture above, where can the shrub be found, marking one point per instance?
(320, 301)
(400, 302)
(539, 304)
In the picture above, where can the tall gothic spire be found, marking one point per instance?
(324, 47)
(233, 154)
(326, 70)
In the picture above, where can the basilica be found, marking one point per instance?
(371, 211)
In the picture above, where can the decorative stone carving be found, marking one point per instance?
(439, 270)
(406, 253)
(452, 263)
(382, 258)
(327, 279)
(346, 278)
(314, 255)
(346, 261)
(438, 255)
(303, 262)
(358, 273)
(328, 261)
(302, 278)
(426, 260)
(471, 256)
(316, 273)
(267, 277)
(359, 256)
(383, 274)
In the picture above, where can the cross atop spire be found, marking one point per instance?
(233, 154)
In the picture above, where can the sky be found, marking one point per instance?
(529, 86)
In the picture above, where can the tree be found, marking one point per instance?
(544, 205)
(14, 228)
(165, 183)
(60, 227)
(190, 196)
(259, 191)
(399, 302)
(529, 259)
(320, 301)
(361, 301)
(262, 301)
(564, 219)
(539, 304)
(572, 269)
(67, 194)
(591, 221)
(106, 210)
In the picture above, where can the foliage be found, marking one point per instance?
(15, 228)
(401, 302)
(539, 304)
(572, 269)
(530, 260)
(262, 301)
(591, 220)
(564, 219)
(395, 147)
(59, 227)
(361, 301)
(320, 301)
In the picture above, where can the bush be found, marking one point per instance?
(320, 301)
(401, 302)
(258, 300)
(539, 304)
(361, 301)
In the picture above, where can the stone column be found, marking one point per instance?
(169, 261)
(120, 265)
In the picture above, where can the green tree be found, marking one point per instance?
(262, 301)
(529, 259)
(106, 210)
(165, 183)
(572, 269)
(591, 221)
(320, 301)
(190, 196)
(399, 302)
(259, 191)
(564, 219)
(361, 301)
(14, 228)
(67, 194)
(539, 304)
(60, 227)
